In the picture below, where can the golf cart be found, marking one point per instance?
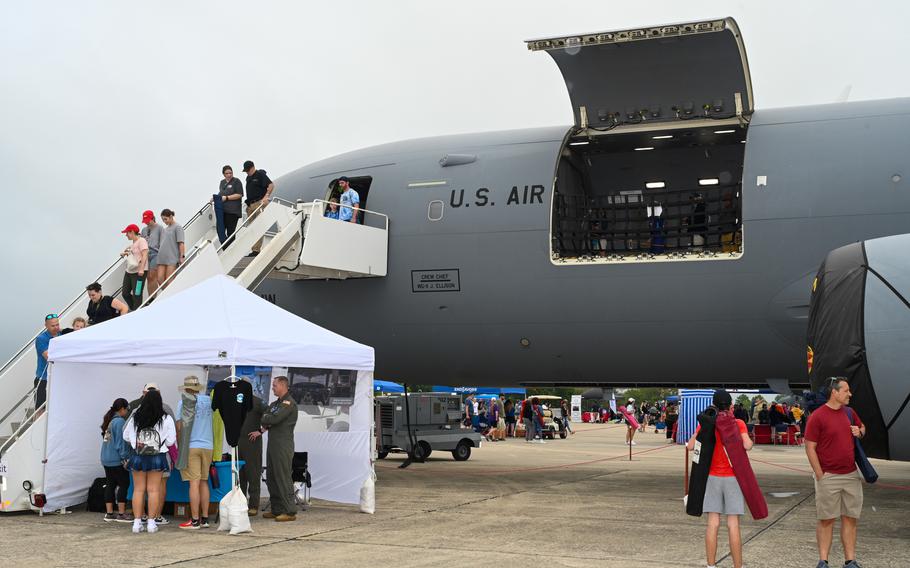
(552, 424)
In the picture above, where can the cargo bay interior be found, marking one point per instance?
(650, 195)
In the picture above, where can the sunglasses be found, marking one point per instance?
(50, 317)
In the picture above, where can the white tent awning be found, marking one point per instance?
(216, 322)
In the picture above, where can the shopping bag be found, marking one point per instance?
(232, 513)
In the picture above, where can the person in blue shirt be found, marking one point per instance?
(350, 201)
(115, 452)
(200, 453)
(42, 343)
(332, 211)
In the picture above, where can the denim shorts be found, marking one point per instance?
(158, 462)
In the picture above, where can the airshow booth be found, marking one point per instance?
(208, 331)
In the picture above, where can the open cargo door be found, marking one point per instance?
(656, 74)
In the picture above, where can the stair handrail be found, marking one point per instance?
(162, 285)
(81, 296)
(16, 406)
(246, 221)
(29, 420)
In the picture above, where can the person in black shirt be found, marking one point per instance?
(259, 190)
(102, 308)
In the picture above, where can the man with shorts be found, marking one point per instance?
(200, 454)
(722, 494)
(838, 488)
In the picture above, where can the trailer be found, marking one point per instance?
(435, 424)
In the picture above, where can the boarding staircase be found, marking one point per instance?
(297, 243)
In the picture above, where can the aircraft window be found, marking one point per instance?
(435, 210)
(681, 201)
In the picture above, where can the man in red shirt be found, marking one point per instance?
(722, 494)
(838, 489)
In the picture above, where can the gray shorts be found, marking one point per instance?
(153, 259)
(723, 495)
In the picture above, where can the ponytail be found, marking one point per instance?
(118, 405)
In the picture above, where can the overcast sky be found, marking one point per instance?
(110, 108)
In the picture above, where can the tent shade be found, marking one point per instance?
(237, 327)
(386, 386)
(480, 390)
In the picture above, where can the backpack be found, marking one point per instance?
(95, 501)
(148, 442)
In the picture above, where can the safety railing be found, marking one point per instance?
(80, 297)
(180, 268)
(365, 216)
(17, 433)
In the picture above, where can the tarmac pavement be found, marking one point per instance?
(573, 502)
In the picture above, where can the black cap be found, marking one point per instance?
(344, 178)
(247, 165)
(722, 398)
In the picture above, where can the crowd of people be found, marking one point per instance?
(144, 440)
(498, 419)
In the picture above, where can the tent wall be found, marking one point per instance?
(78, 396)
(339, 462)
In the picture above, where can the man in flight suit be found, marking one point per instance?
(250, 448)
(279, 421)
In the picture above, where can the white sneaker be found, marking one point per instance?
(137, 526)
(152, 526)
(633, 443)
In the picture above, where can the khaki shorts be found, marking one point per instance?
(839, 495)
(197, 465)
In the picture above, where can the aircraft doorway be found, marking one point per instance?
(360, 184)
(656, 195)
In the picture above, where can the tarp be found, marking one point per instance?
(216, 322)
(692, 402)
(232, 327)
(859, 327)
(480, 390)
(386, 386)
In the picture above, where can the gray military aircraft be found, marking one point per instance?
(669, 237)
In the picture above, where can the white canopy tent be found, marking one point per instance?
(216, 322)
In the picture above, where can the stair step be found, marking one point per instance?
(241, 266)
(3, 439)
(15, 425)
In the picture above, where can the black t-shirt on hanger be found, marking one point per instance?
(233, 400)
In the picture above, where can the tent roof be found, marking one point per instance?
(216, 322)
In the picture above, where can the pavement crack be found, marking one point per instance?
(769, 525)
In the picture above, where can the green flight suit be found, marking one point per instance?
(251, 453)
(280, 419)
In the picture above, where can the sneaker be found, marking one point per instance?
(204, 522)
(852, 564)
(137, 526)
(252, 511)
(109, 517)
(285, 518)
(633, 443)
(821, 564)
(144, 519)
(124, 518)
(152, 526)
(268, 515)
(191, 525)
(161, 521)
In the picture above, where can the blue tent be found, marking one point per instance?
(479, 390)
(386, 386)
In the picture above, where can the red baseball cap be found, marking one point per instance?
(147, 216)
(131, 228)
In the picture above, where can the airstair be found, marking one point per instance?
(297, 243)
